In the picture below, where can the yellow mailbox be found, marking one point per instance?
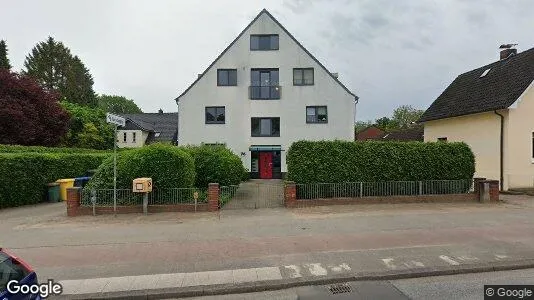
(142, 185)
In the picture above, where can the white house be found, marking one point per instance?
(261, 94)
(147, 128)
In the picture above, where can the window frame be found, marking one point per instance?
(124, 137)
(532, 158)
(443, 139)
(270, 42)
(134, 137)
(228, 74)
(262, 135)
(214, 122)
(273, 87)
(316, 107)
(301, 70)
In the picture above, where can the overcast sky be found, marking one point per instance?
(389, 52)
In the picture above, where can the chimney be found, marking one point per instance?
(160, 111)
(336, 75)
(507, 51)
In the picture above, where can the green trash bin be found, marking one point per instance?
(53, 192)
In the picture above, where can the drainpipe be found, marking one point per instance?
(177, 118)
(501, 149)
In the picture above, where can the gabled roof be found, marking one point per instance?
(264, 11)
(408, 134)
(470, 93)
(166, 124)
(371, 132)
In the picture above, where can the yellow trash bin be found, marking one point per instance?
(63, 185)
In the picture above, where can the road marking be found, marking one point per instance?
(414, 264)
(467, 258)
(294, 271)
(342, 267)
(449, 260)
(500, 256)
(316, 269)
(389, 263)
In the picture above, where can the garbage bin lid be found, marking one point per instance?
(83, 178)
(65, 180)
(53, 184)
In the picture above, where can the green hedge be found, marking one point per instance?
(216, 164)
(23, 176)
(40, 149)
(341, 161)
(168, 166)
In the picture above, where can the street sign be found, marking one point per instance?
(114, 119)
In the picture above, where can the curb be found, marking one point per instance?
(261, 286)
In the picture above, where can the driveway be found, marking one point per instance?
(303, 242)
(258, 193)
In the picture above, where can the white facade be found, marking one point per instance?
(290, 108)
(131, 138)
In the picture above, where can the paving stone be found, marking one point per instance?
(244, 275)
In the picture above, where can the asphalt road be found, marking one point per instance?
(303, 243)
(458, 287)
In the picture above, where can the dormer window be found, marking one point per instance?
(263, 42)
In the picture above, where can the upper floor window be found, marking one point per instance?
(265, 126)
(215, 115)
(134, 137)
(264, 42)
(533, 146)
(226, 77)
(303, 76)
(124, 137)
(316, 114)
(264, 84)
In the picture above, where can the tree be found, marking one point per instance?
(4, 60)
(87, 128)
(117, 104)
(405, 115)
(52, 65)
(29, 114)
(386, 123)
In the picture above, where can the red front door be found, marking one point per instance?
(266, 165)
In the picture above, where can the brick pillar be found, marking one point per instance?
(494, 188)
(290, 194)
(213, 197)
(476, 185)
(73, 201)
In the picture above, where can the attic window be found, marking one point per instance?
(485, 73)
(157, 134)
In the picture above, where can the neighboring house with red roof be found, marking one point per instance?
(370, 133)
(491, 108)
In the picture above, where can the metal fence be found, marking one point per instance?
(126, 197)
(227, 193)
(387, 188)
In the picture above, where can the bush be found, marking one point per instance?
(23, 176)
(168, 166)
(40, 149)
(341, 161)
(216, 164)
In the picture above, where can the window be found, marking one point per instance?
(264, 84)
(226, 77)
(533, 147)
(124, 137)
(10, 270)
(264, 42)
(303, 76)
(265, 126)
(442, 139)
(133, 137)
(215, 115)
(316, 114)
